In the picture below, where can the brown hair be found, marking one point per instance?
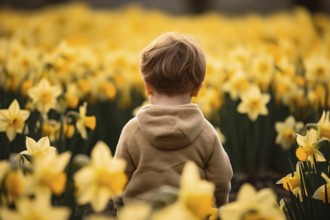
(173, 64)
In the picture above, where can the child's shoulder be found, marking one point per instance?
(131, 124)
(209, 129)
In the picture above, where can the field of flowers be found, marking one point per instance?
(69, 81)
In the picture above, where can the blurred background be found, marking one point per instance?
(73, 66)
(188, 6)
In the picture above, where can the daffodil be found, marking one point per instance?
(286, 132)
(68, 130)
(240, 55)
(252, 204)
(71, 96)
(138, 211)
(253, 103)
(262, 70)
(48, 173)
(283, 87)
(176, 211)
(321, 193)
(195, 195)
(26, 85)
(12, 120)
(41, 148)
(210, 99)
(102, 88)
(195, 198)
(37, 209)
(308, 147)
(324, 125)
(50, 128)
(16, 184)
(292, 182)
(84, 121)
(84, 87)
(295, 98)
(317, 69)
(237, 84)
(44, 96)
(102, 179)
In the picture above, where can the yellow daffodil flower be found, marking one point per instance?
(71, 95)
(292, 182)
(83, 86)
(283, 87)
(262, 70)
(37, 209)
(102, 179)
(44, 96)
(102, 88)
(236, 85)
(139, 211)
(253, 103)
(195, 193)
(48, 173)
(177, 211)
(240, 55)
(324, 125)
(41, 148)
(286, 132)
(16, 184)
(84, 121)
(196, 196)
(308, 147)
(209, 100)
(68, 130)
(320, 192)
(13, 182)
(317, 69)
(50, 128)
(26, 85)
(12, 120)
(252, 204)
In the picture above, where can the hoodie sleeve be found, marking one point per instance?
(122, 151)
(219, 171)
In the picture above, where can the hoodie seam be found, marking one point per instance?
(185, 133)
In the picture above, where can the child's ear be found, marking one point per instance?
(196, 90)
(148, 88)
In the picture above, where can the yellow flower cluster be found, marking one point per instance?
(31, 184)
(66, 55)
(93, 54)
(306, 183)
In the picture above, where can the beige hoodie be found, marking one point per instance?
(158, 142)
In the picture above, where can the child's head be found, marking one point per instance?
(173, 64)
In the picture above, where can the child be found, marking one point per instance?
(164, 135)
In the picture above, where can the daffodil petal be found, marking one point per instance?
(44, 142)
(30, 144)
(11, 133)
(14, 107)
(101, 199)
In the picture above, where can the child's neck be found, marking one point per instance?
(162, 99)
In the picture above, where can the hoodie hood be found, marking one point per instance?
(170, 127)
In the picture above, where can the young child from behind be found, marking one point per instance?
(164, 135)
